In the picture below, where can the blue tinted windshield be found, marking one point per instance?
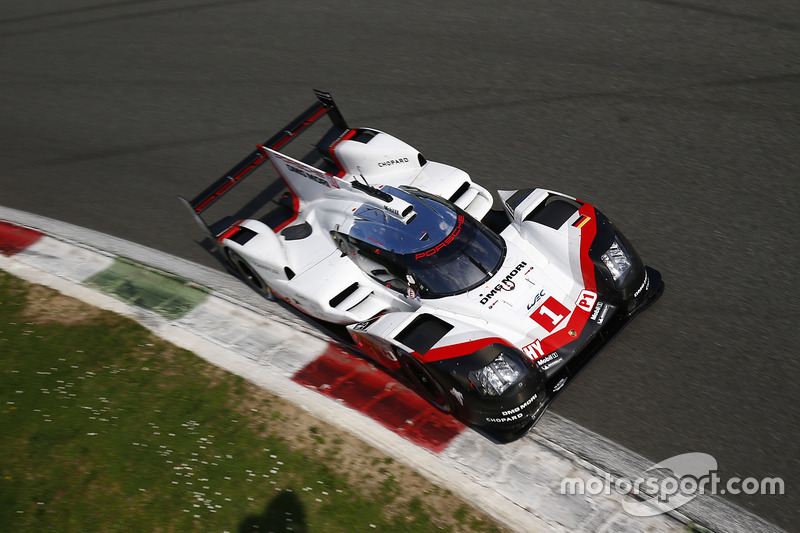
(467, 255)
(443, 248)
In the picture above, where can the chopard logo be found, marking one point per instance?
(505, 284)
(390, 162)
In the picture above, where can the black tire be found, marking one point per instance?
(425, 384)
(249, 274)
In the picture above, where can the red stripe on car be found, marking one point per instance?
(457, 350)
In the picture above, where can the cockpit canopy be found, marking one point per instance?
(443, 249)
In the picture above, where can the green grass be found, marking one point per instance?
(107, 428)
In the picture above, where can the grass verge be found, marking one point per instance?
(108, 428)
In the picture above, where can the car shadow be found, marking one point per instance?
(285, 512)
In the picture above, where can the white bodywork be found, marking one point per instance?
(531, 298)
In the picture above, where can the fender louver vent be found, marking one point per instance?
(554, 211)
(364, 136)
(342, 296)
(513, 202)
(461, 190)
(243, 235)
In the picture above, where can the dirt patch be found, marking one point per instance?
(46, 306)
(349, 457)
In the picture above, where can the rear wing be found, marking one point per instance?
(324, 106)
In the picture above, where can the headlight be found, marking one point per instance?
(617, 261)
(496, 377)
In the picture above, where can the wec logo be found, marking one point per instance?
(536, 299)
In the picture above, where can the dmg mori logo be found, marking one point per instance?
(506, 284)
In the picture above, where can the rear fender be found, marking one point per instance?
(257, 244)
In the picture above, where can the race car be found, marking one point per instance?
(489, 313)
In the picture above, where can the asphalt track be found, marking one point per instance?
(680, 119)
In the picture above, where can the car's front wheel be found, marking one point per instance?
(249, 274)
(424, 382)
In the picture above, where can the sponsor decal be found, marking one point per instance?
(520, 407)
(308, 172)
(506, 284)
(309, 175)
(586, 300)
(267, 268)
(457, 395)
(445, 242)
(550, 314)
(517, 413)
(536, 300)
(390, 162)
(558, 386)
(549, 360)
(511, 418)
(599, 313)
(533, 350)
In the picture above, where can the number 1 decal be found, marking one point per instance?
(550, 314)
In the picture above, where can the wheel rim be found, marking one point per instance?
(250, 275)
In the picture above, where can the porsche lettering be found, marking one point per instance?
(448, 240)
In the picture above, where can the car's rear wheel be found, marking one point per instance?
(249, 274)
(424, 382)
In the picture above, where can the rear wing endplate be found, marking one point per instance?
(324, 105)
